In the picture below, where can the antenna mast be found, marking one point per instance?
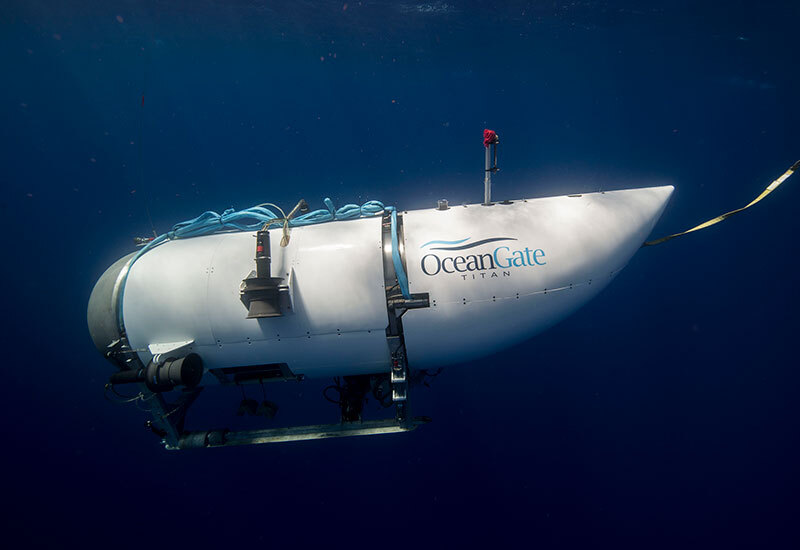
(490, 142)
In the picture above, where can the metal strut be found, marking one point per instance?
(398, 301)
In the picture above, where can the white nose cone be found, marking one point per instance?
(499, 274)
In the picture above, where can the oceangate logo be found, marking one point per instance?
(484, 265)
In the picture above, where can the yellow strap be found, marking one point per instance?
(771, 187)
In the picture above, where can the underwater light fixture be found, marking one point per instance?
(377, 298)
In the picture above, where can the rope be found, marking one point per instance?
(770, 188)
(258, 217)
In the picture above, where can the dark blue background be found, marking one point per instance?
(663, 414)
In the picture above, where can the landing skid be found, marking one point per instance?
(169, 418)
(226, 438)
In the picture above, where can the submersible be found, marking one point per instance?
(369, 295)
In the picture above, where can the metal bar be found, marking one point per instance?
(157, 407)
(223, 438)
(487, 178)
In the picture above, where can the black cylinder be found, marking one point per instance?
(263, 253)
(127, 376)
(184, 371)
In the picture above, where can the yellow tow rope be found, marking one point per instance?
(772, 186)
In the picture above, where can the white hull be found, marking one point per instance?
(544, 259)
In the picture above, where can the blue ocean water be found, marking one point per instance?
(662, 414)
